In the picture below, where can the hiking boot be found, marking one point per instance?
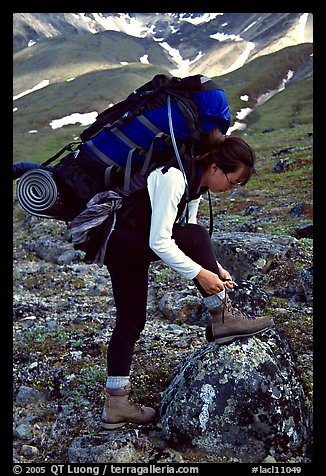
(119, 410)
(229, 323)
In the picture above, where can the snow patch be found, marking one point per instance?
(40, 85)
(84, 119)
(144, 59)
(205, 18)
(302, 26)
(224, 36)
(243, 113)
(173, 30)
(123, 22)
(87, 20)
(249, 26)
(183, 64)
(269, 94)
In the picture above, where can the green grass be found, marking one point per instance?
(275, 193)
(292, 106)
(42, 335)
(39, 147)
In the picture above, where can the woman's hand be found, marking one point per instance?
(223, 272)
(209, 281)
(225, 276)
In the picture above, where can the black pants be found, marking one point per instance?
(128, 259)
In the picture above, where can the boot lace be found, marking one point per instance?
(227, 306)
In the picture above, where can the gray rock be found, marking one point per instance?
(297, 210)
(306, 276)
(28, 395)
(29, 451)
(282, 165)
(49, 248)
(114, 447)
(241, 400)
(269, 459)
(251, 210)
(67, 257)
(98, 290)
(252, 254)
(23, 431)
(180, 308)
(247, 227)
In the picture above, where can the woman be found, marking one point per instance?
(149, 229)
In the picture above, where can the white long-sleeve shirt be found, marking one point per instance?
(165, 192)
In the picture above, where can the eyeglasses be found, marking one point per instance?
(232, 184)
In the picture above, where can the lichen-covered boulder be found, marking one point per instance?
(247, 254)
(249, 297)
(240, 400)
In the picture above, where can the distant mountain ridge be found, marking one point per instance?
(69, 70)
(216, 43)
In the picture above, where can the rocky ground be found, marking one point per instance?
(64, 314)
(63, 317)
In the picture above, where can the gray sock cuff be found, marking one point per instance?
(214, 301)
(114, 382)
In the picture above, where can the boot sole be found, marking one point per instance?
(226, 339)
(112, 426)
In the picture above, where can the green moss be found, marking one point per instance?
(42, 335)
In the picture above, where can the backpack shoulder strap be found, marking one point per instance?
(72, 146)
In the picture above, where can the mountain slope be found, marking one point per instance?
(74, 55)
(96, 90)
(291, 107)
(264, 74)
(92, 91)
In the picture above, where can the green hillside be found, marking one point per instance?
(64, 57)
(291, 107)
(263, 74)
(89, 92)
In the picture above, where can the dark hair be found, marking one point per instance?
(229, 153)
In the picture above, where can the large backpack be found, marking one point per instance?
(162, 118)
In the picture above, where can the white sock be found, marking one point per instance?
(214, 301)
(114, 382)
